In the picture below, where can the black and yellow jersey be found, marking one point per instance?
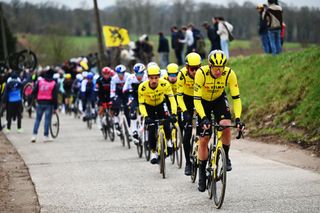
(174, 85)
(208, 88)
(185, 85)
(154, 97)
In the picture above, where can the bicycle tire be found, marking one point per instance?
(110, 129)
(194, 168)
(27, 96)
(147, 151)
(126, 132)
(179, 151)
(27, 59)
(219, 175)
(140, 148)
(162, 156)
(55, 125)
(174, 143)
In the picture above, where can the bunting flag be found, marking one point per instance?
(115, 36)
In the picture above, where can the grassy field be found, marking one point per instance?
(280, 95)
(75, 46)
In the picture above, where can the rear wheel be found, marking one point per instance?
(140, 148)
(178, 150)
(219, 178)
(194, 168)
(110, 129)
(127, 135)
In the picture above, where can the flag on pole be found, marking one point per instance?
(115, 36)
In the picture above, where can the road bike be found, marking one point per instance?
(107, 126)
(54, 125)
(124, 128)
(176, 138)
(216, 170)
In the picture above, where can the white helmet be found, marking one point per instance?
(84, 74)
(79, 77)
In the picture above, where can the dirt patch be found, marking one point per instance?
(17, 192)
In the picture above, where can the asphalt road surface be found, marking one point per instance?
(81, 172)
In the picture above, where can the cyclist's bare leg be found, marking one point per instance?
(203, 148)
(203, 156)
(226, 140)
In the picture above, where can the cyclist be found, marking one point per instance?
(185, 101)
(209, 95)
(103, 89)
(151, 100)
(88, 94)
(75, 91)
(117, 96)
(66, 91)
(131, 89)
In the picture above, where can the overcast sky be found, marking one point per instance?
(104, 3)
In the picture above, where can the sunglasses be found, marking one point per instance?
(172, 74)
(193, 69)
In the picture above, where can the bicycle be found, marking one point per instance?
(108, 125)
(217, 164)
(176, 138)
(124, 128)
(28, 100)
(89, 115)
(54, 125)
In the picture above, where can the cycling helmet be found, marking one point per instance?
(217, 58)
(193, 59)
(139, 68)
(106, 71)
(120, 68)
(79, 77)
(84, 74)
(90, 76)
(154, 70)
(55, 76)
(67, 76)
(152, 64)
(172, 68)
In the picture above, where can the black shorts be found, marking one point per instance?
(219, 107)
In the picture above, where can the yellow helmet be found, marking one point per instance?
(193, 59)
(67, 76)
(217, 58)
(173, 68)
(154, 70)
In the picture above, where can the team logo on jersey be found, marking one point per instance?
(143, 88)
(163, 84)
(224, 73)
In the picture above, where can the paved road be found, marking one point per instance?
(80, 172)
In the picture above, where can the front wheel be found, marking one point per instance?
(140, 148)
(218, 179)
(55, 125)
(162, 156)
(110, 130)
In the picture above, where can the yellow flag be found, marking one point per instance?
(115, 36)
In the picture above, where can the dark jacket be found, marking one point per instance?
(163, 44)
(213, 37)
(273, 16)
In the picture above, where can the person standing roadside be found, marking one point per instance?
(263, 29)
(273, 16)
(176, 35)
(223, 28)
(189, 40)
(45, 92)
(163, 50)
(12, 99)
(213, 37)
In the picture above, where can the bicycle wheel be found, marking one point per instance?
(126, 132)
(219, 178)
(110, 128)
(27, 96)
(194, 168)
(27, 60)
(140, 148)
(178, 150)
(147, 151)
(55, 125)
(162, 156)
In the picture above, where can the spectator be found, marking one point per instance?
(12, 99)
(283, 28)
(163, 50)
(201, 46)
(189, 40)
(263, 29)
(177, 35)
(223, 28)
(273, 16)
(195, 33)
(213, 37)
(46, 92)
(145, 49)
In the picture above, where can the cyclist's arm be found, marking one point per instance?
(180, 89)
(235, 93)
(142, 107)
(197, 94)
(172, 100)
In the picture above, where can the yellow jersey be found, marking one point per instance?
(156, 96)
(185, 85)
(208, 88)
(174, 85)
